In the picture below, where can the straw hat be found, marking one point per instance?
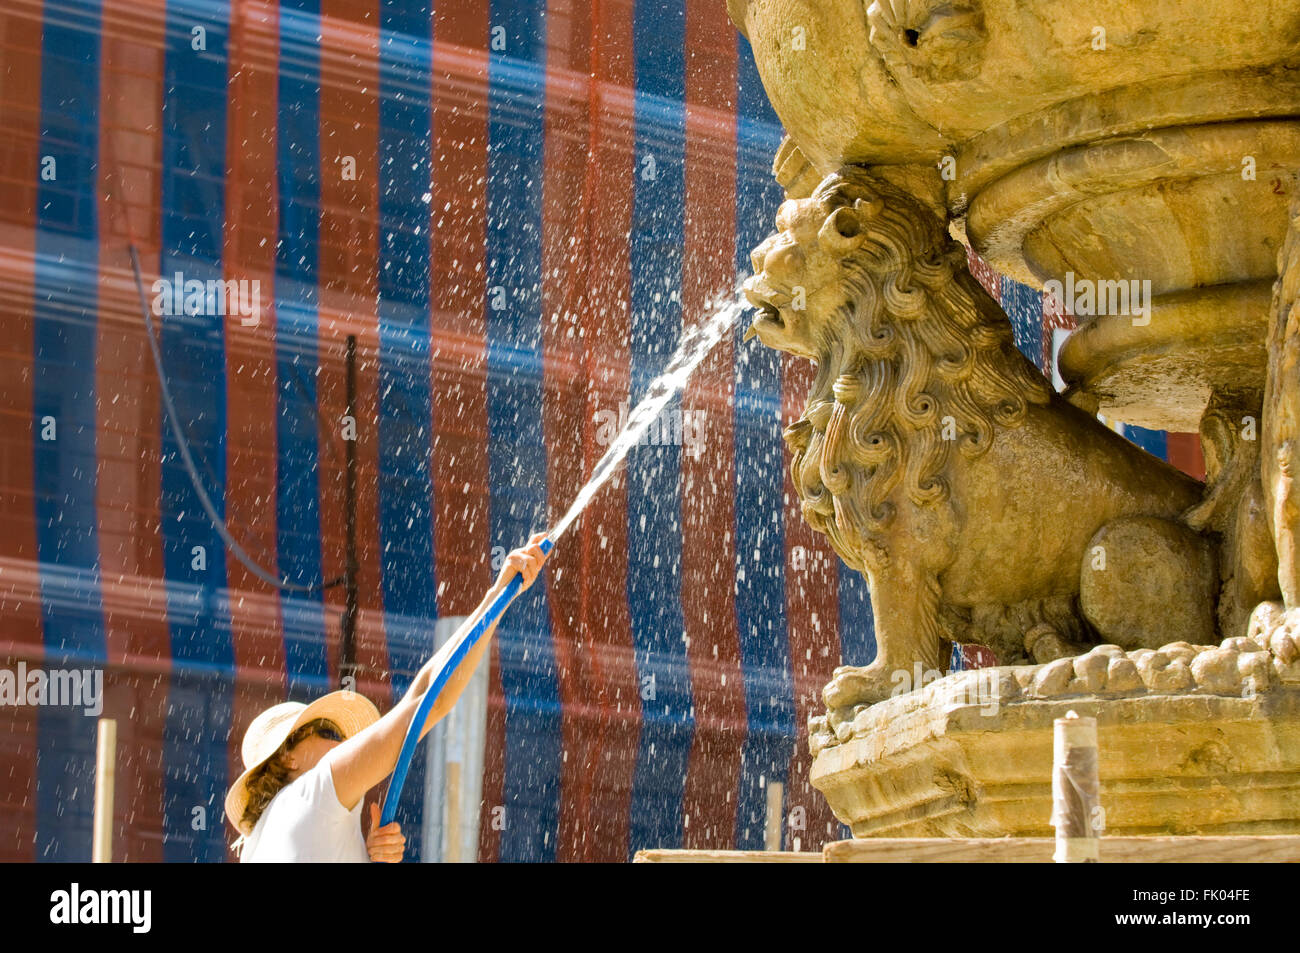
(350, 711)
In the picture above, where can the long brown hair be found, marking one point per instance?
(269, 779)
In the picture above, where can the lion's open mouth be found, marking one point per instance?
(765, 312)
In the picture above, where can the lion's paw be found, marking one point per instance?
(1276, 629)
(1044, 644)
(864, 685)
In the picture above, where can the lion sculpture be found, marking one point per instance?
(981, 506)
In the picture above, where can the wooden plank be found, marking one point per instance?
(726, 857)
(1223, 849)
(1011, 850)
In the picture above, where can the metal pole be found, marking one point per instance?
(348, 643)
(101, 849)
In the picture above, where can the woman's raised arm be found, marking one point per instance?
(367, 758)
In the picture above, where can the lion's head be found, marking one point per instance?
(913, 356)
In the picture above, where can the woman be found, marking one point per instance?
(308, 767)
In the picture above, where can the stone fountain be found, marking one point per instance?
(1138, 163)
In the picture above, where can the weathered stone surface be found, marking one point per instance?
(1052, 678)
(1216, 670)
(1281, 426)
(930, 762)
(1143, 584)
(886, 82)
(1240, 848)
(1122, 675)
(1090, 670)
(1163, 373)
(1208, 760)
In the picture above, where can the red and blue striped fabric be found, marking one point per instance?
(516, 207)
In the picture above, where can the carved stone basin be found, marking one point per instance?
(1104, 141)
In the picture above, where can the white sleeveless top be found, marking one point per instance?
(305, 823)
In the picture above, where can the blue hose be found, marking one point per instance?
(494, 612)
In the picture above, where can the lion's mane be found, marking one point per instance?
(917, 360)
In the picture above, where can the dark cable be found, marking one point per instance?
(182, 445)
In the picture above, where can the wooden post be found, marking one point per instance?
(452, 834)
(101, 850)
(1076, 808)
(772, 824)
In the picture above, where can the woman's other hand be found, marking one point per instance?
(385, 845)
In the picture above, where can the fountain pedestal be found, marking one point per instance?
(953, 760)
